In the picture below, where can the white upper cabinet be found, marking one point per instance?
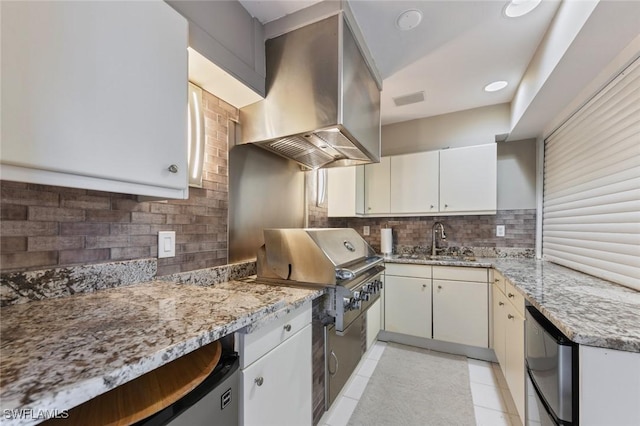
(94, 95)
(468, 179)
(345, 189)
(414, 183)
(377, 186)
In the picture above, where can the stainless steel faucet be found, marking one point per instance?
(434, 232)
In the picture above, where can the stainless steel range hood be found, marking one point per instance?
(323, 104)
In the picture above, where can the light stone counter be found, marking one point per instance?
(589, 310)
(59, 353)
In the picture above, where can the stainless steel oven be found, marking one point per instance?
(552, 373)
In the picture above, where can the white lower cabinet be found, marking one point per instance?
(460, 312)
(508, 338)
(407, 299)
(407, 305)
(276, 379)
(461, 305)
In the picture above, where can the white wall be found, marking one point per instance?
(463, 128)
(516, 160)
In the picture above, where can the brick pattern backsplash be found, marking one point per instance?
(461, 231)
(46, 226)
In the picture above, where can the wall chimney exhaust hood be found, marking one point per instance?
(322, 107)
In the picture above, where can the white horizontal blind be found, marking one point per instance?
(591, 208)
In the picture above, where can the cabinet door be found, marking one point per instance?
(461, 312)
(407, 306)
(276, 389)
(415, 182)
(374, 321)
(515, 370)
(468, 179)
(377, 186)
(499, 327)
(345, 191)
(95, 92)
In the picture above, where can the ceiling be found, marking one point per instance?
(458, 48)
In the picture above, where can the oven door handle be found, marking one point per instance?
(333, 354)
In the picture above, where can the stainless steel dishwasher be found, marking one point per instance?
(552, 373)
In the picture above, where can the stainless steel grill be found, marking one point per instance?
(339, 260)
(334, 258)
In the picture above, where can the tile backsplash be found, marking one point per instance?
(461, 231)
(46, 226)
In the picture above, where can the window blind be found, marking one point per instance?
(591, 204)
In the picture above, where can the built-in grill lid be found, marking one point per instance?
(318, 255)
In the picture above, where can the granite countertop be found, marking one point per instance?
(59, 353)
(589, 310)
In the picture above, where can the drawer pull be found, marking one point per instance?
(496, 280)
(424, 286)
(510, 316)
(439, 287)
(173, 168)
(511, 295)
(259, 381)
(287, 327)
(500, 303)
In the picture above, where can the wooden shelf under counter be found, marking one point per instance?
(147, 394)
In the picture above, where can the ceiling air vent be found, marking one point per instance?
(412, 98)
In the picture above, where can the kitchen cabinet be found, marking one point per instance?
(94, 96)
(468, 179)
(415, 183)
(227, 35)
(345, 190)
(508, 337)
(461, 305)
(377, 186)
(407, 300)
(276, 371)
(375, 318)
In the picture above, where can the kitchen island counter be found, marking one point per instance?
(59, 353)
(589, 310)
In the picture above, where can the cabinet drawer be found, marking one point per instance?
(515, 297)
(498, 280)
(404, 270)
(259, 341)
(457, 273)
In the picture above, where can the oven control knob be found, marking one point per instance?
(346, 302)
(356, 295)
(357, 304)
(366, 297)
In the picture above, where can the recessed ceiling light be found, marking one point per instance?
(409, 19)
(517, 8)
(495, 86)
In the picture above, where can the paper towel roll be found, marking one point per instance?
(386, 241)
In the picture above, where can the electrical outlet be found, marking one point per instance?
(366, 231)
(500, 231)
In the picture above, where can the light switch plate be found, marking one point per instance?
(500, 231)
(366, 230)
(166, 244)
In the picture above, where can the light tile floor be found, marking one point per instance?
(492, 401)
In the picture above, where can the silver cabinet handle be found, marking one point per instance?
(333, 354)
(173, 168)
(287, 327)
(510, 316)
(500, 303)
(510, 295)
(259, 381)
